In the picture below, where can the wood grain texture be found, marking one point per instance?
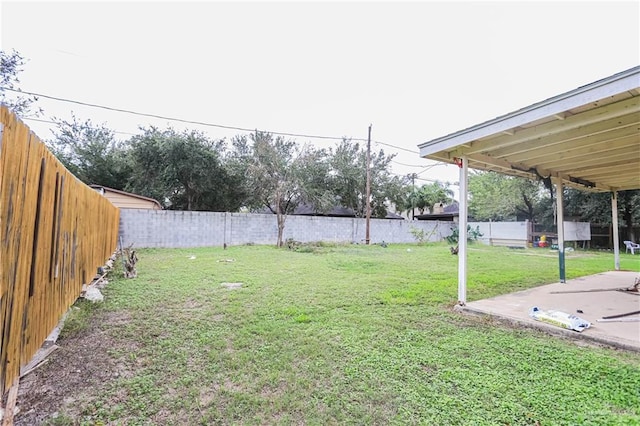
(55, 232)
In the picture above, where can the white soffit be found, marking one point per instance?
(589, 137)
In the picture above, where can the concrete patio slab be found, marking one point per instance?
(515, 308)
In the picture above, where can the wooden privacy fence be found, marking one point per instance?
(55, 232)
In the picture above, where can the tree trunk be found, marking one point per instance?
(189, 193)
(281, 218)
(529, 204)
(627, 215)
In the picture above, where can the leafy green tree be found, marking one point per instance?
(496, 196)
(147, 166)
(425, 197)
(237, 161)
(349, 179)
(591, 206)
(283, 176)
(411, 200)
(595, 207)
(434, 193)
(11, 65)
(91, 152)
(183, 170)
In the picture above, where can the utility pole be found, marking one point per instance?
(413, 195)
(366, 238)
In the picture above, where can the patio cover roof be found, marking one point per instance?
(588, 137)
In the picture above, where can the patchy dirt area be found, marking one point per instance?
(80, 368)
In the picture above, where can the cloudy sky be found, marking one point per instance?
(414, 70)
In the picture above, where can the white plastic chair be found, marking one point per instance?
(631, 246)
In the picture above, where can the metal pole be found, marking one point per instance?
(413, 196)
(366, 238)
(224, 232)
(614, 222)
(560, 214)
(462, 233)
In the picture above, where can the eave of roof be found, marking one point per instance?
(437, 216)
(117, 191)
(622, 81)
(587, 136)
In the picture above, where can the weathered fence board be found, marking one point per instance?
(54, 234)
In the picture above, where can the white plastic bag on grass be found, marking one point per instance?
(560, 319)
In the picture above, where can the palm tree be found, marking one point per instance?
(436, 192)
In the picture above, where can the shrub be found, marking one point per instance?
(420, 235)
(472, 234)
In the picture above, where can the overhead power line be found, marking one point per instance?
(202, 123)
(53, 122)
(426, 168)
(393, 146)
(436, 180)
(431, 167)
(409, 165)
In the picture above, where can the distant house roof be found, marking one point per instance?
(337, 211)
(125, 200)
(450, 212)
(395, 216)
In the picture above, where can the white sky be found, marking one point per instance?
(415, 70)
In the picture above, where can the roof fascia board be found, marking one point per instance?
(129, 194)
(618, 83)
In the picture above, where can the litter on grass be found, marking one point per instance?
(231, 286)
(560, 319)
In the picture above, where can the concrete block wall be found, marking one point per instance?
(399, 231)
(501, 230)
(165, 228)
(502, 233)
(317, 228)
(175, 229)
(245, 228)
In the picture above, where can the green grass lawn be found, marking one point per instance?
(349, 335)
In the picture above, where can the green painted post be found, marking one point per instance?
(561, 264)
